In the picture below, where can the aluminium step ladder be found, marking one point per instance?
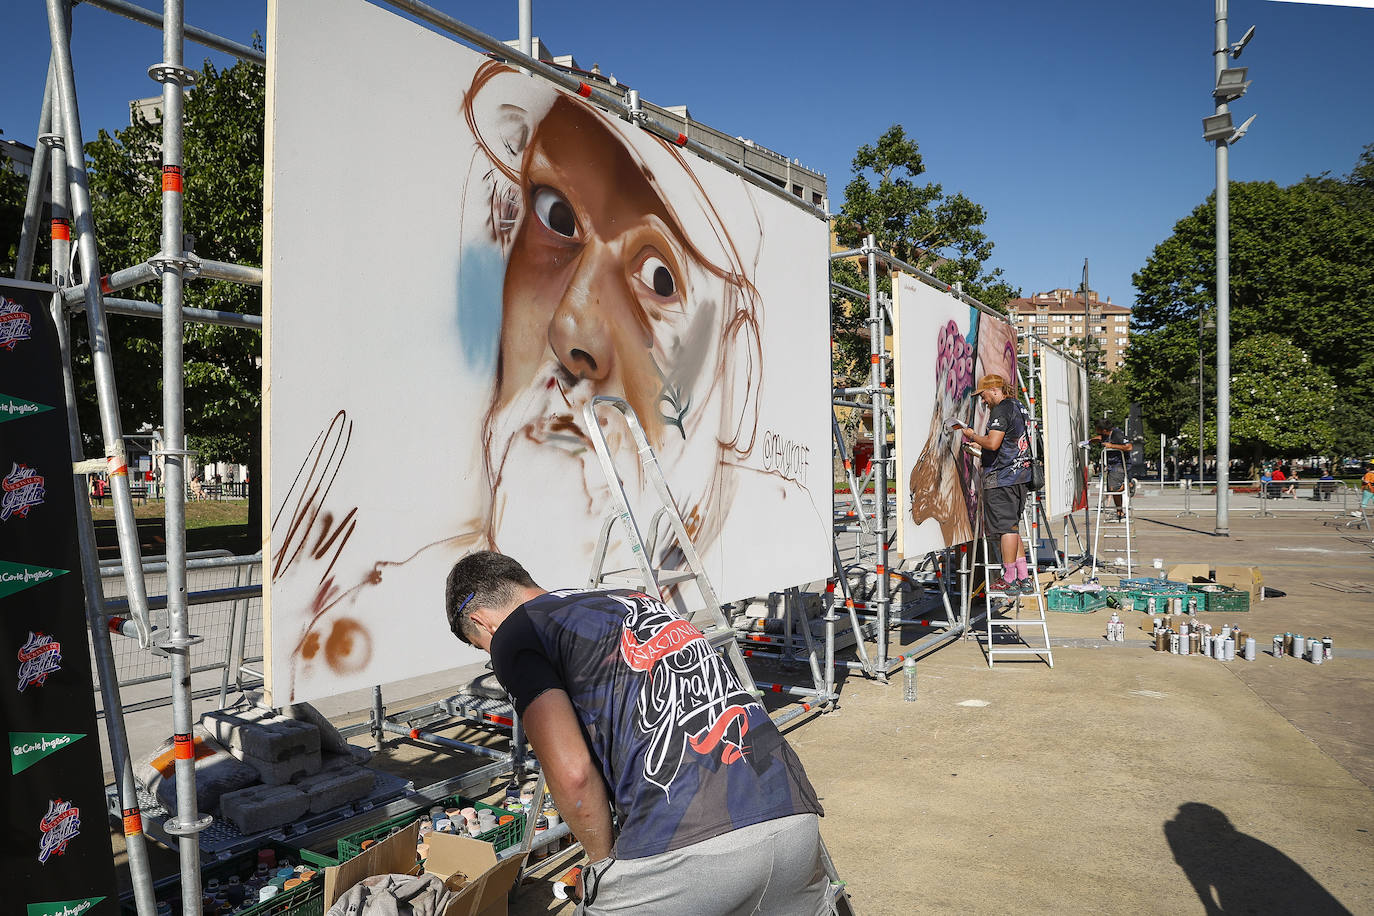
(1116, 527)
(1000, 603)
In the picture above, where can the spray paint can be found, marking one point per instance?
(1326, 647)
(1250, 648)
(1194, 643)
(1173, 643)
(1150, 603)
(1205, 644)
(1317, 652)
(1278, 646)
(1161, 641)
(1230, 645)
(1299, 649)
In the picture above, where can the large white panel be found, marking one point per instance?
(459, 258)
(942, 348)
(1064, 401)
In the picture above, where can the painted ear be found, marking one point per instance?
(513, 129)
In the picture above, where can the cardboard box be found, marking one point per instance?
(1184, 572)
(462, 863)
(1245, 578)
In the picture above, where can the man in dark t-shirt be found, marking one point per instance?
(1115, 448)
(1006, 461)
(628, 707)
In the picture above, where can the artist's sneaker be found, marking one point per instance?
(1026, 586)
(1010, 589)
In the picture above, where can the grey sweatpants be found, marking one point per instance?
(769, 869)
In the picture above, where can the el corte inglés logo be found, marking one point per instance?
(63, 907)
(27, 748)
(12, 408)
(15, 577)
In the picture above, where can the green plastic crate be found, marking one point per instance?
(305, 900)
(1160, 595)
(1072, 601)
(502, 836)
(1223, 600)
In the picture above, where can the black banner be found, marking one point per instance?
(56, 845)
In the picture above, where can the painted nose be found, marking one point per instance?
(580, 331)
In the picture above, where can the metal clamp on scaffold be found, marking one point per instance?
(172, 73)
(165, 262)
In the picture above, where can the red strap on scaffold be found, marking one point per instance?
(171, 178)
(61, 230)
(116, 624)
(681, 140)
(584, 90)
(105, 284)
(415, 733)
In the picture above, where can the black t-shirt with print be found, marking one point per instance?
(1114, 457)
(686, 752)
(1011, 462)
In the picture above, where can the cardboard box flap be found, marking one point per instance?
(486, 883)
(393, 856)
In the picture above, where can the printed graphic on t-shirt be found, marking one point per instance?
(690, 698)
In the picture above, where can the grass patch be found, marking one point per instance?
(210, 525)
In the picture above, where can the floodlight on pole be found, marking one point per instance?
(1217, 127)
(1231, 84)
(1244, 40)
(1240, 131)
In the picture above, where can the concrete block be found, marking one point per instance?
(281, 772)
(330, 789)
(330, 739)
(260, 808)
(261, 733)
(356, 757)
(217, 772)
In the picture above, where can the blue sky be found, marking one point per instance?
(1076, 124)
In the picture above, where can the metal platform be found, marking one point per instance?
(222, 839)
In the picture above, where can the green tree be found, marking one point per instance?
(223, 167)
(14, 189)
(1302, 265)
(916, 222)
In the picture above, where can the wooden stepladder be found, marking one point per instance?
(709, 617)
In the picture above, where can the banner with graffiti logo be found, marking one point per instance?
(57, 857)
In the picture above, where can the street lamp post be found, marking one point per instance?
(1230, 85)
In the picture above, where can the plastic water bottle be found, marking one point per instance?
(909, 679)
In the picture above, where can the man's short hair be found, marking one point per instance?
(483, 579)
(1102, 424)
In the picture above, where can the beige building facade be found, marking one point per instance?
(1063, 317)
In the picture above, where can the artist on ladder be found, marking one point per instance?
(1114, 449)
(1006, 479)
(626, 704)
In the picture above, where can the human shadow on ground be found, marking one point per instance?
(1236, 873)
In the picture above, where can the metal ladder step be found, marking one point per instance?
(634, 578)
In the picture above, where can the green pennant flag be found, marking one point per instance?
(15, 577)
(63, 907)
(27, 748)
(12, 408)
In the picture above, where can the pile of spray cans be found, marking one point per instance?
(1298, 646)
(1186, 635)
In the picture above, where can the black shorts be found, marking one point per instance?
(1002, 508)
(1116, 479)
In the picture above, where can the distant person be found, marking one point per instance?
(98, 490)
(1114, 450)
(1280, 480)
(1326, 485)
(1367, 489)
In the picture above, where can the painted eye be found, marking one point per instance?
(555, 212)
(654, 274)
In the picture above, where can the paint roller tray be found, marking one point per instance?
(223, 839)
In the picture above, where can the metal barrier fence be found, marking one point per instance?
(224, 594)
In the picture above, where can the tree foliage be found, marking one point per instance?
(223, 168)
(1302, 268)
(916, 222)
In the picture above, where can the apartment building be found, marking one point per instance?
(1062, 316)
